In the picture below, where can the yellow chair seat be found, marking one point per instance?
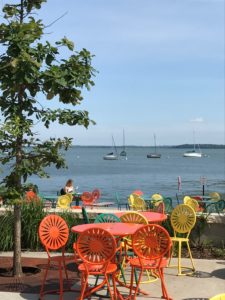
(177, 239)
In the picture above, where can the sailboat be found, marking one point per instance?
(154, 154)
(194, 152)
(123, 152)
(112, 155)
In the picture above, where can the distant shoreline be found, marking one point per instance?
(184, 146)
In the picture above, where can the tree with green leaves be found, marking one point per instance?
(29, 67)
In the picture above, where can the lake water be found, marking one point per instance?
(88, 170)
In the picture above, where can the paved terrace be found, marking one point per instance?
(209, 281)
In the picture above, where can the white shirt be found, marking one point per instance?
(69, 189)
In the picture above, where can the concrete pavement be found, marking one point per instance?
(209, 281)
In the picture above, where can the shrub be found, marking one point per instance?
(6, 231)
(31, 215)
(71, 220)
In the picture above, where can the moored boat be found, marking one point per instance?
(154, 154)
(123, 152)
(194, 152)
(112, 155)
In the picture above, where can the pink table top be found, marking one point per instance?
(117, 229)
(152, 217)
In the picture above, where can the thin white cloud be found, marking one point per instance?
(197, 120)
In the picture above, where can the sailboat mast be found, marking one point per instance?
(155, 142)
(123, 140)
(114, 145)
(194, 139)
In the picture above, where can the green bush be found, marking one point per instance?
(31, 215)
(71, 220)
(6, 231)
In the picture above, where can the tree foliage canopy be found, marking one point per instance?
(30, 68)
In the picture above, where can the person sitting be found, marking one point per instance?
(69, 187)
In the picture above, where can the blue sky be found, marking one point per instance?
(161, 69)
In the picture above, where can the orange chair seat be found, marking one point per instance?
(111, 268)
(146, 263)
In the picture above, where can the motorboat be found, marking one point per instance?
(154, 154)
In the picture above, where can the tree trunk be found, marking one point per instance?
(17, 266)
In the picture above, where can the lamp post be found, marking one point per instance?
(203, 181)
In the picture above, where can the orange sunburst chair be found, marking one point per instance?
(87, 199)
(96, 248)
(53, 233)
(151, 244)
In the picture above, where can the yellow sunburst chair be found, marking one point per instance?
(192, 203)
(64, 201)
(133, 217)
(156, 199)
(131, 200)
(186, 198)
(218, 297)
(137, 218)
(183, 219)
(215, 196)
(139, 204)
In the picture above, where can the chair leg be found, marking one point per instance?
(66, 273)
(131, 282)
(60, 282)
(84, 280)
(179, 257)
(138, 283)
(171, 254)
(164, 290)
(121, 273)
(108, 285)
(189, 251)
(44, 279)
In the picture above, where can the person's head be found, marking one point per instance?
(69, 182)
(30, 187)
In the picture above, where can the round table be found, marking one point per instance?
(152, 217)
(117, 229)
